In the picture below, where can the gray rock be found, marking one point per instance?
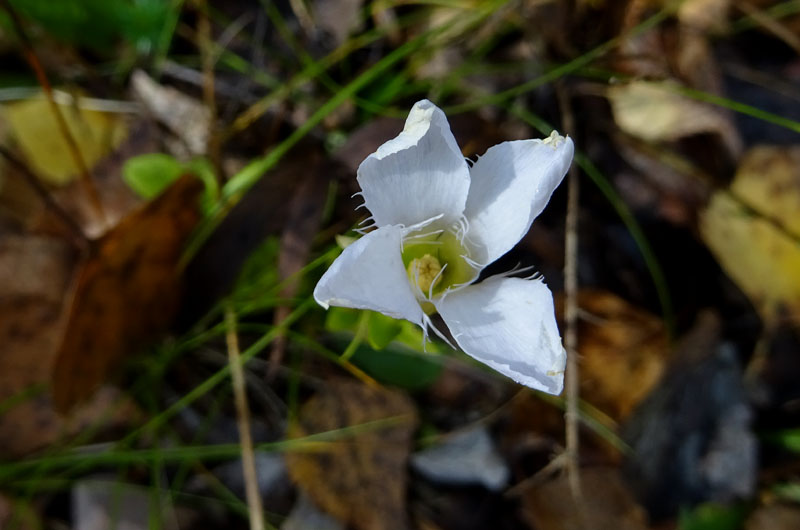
(467, 458)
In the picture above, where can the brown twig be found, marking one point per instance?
(243, 422)
(571, 316)
(770, 24)
(209, 58)
(36, 65)
(34, 182)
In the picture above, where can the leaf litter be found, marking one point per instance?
(651, 114)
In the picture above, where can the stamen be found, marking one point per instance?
(436, 281)
(425, 272)
(472, 262)
(426, 234)
(554, 140)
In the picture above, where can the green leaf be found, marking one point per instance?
(712, 516)
(98, 24)
(787, 439)
(396, 365)
(149, 174)
(382, 330)
(202, 169)
(393, 351)
(341, 319)
(259, 273)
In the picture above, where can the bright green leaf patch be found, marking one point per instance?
(711, 516)
(150, 174)
(788, 439)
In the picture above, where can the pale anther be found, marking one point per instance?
(425, 272)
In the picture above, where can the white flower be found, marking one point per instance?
(439, 222)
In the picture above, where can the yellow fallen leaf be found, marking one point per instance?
(32, 124)
(768, 181)
(761, 257)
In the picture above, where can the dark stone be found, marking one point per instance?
(691, 439)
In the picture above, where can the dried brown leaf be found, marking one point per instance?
(607, 504)
(127, 291)
(35, 273)
(619, 344)
(360, 480)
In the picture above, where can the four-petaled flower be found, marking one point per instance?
(439, 222)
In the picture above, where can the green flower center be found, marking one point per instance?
(435, 261)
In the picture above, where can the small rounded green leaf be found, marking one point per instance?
(149, 174)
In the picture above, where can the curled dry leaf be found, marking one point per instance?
(126, 292)
(359, 479)
(339, 18)
(753, 229)
(186, 117)
(656, 112)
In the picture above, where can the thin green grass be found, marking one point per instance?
(81, 461)
(775, 12)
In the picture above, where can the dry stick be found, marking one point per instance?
(41, 77)
(209, 98)
(770, 24)
(243, 422)
(44, 194)
(571, 317)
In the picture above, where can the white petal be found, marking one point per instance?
(511, 185)
(369, 274)
(417, 175)
(509, 324)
